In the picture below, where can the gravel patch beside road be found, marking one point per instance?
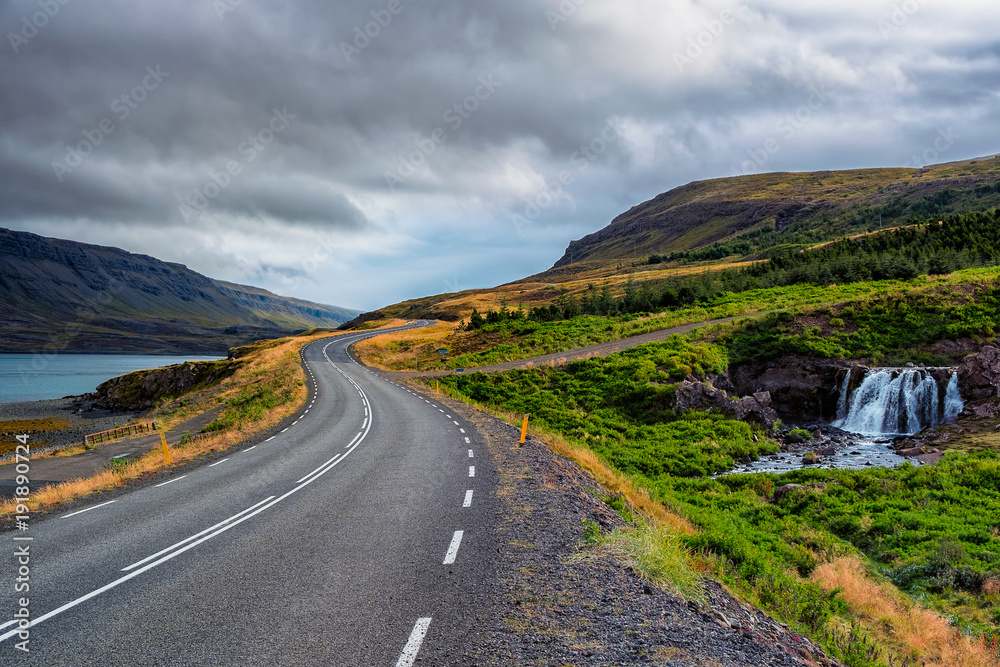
(82, 419)
(556, 602)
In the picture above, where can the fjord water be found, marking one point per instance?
(36, 377)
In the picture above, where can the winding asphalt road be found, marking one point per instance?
(357, 536)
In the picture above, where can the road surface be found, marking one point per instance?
(357, 536)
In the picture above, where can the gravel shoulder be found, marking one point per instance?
(556, 602)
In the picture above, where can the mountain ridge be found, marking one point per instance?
(704, 212)
(62, 295)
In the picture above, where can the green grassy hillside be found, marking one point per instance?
(794, 207)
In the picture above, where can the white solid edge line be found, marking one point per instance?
(66, 516)
(171, 481)
(212, 465)
(472, 471)
(174, 554)
(409, 654)
(195, 536)
(468, 499)
(456, 541)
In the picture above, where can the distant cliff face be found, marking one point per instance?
(64, 296)
(705, 212)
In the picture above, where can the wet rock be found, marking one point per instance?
(811, 458)
(912, 451)
(979, 374)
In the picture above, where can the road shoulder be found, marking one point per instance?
(554, 602)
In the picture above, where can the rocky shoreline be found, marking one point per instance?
(82, 416)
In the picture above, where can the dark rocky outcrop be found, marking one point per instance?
(800, 388)
(692, 395)
(141, 390)
(979, 374)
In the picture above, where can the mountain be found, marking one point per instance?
(61, 295)
(827, 203)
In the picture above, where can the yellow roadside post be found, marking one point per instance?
(524, 429)
(166, 452)
(437, 387)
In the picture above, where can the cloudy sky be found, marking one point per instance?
(363, 153)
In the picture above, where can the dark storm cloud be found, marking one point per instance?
(152, 125)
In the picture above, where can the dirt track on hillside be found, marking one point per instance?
(560, 358)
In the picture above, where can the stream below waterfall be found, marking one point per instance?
(887, 403)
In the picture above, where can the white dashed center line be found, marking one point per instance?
(472, 471)
(176, 479)
(468, 499)
(88, 509)
(409, 654)
(452, 554)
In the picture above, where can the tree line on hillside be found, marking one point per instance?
(829, 225)
(960, 241)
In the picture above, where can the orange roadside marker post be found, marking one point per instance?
(166, 452)
(524, 429)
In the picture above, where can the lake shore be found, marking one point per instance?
(80, 417)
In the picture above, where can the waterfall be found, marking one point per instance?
(897, 401)
(842, 401)
(953, 403)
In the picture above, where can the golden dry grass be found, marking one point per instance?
(280, 358)
(396, 350)
(899, 623)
